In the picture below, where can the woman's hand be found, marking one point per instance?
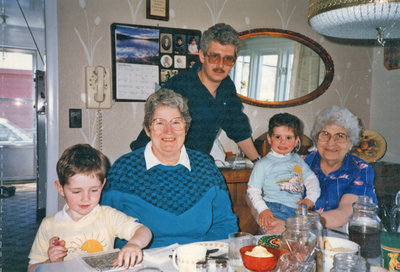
(265, 219)
(57, 250)
(129, 255)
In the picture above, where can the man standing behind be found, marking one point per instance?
(211, 94)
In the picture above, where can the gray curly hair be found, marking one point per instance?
(166, 97)
(339, 116)
(222, 33)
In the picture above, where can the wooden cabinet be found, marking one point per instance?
(237, 179)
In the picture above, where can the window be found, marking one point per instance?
(265, 74)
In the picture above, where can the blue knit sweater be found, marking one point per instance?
(178, 205)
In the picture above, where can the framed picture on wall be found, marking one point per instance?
(391, 55)
(145, 57)
(157, 9)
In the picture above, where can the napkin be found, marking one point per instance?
(159, 255)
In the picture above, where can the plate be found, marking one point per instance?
(222, 247)
(371, 148)
(270, 240)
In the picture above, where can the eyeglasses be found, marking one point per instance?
(280, 138)
(177, 124)
(339, 137)
(216, 58)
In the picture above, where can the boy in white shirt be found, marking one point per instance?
(83, 226)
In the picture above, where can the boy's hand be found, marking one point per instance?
(308, 202)
(129, 255)
(265, 219)
(57, 250)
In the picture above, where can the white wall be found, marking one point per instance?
(385, 105)
(84, 39)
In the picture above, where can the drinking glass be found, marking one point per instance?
(237, 240)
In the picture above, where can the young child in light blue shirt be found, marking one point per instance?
(282, 175)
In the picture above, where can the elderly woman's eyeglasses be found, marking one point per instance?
(177, 124)
(216, 58)
(339, 137)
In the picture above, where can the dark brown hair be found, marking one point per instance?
(82, 159)
(288, 120)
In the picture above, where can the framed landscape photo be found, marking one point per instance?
(157, 9)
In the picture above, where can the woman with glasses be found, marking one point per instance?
(342, 176)
(211, 95)
(177, 192)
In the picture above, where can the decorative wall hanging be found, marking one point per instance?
(157, 9)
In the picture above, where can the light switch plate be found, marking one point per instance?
(75, 118)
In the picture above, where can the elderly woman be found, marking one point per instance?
(342, 176)
(178, 193)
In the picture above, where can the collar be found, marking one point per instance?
(276, 154)
(63, 216)
(151, 159)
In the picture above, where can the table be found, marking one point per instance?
(160, 260)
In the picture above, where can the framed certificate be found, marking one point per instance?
(157, 9)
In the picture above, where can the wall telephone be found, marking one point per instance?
(98, 87)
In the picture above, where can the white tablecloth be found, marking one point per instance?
(156, 257)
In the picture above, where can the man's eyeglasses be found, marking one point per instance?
(339, 137)
(216, 58)
(177, 124)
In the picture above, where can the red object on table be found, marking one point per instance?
(260, 264)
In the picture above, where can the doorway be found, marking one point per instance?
(24, 152)
(17, 118)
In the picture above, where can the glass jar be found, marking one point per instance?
(348, 262)
(395, 215)
(364, 227)
(317, 229)
(297, 242)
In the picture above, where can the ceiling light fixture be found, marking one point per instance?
(356, 19)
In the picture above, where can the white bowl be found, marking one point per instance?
(338, 245)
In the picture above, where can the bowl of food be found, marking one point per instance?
(259, 258)
(334, 245)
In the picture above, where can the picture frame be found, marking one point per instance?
(157, 9)
(391, 56)
(144, 58)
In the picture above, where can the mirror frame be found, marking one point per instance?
(326, 58)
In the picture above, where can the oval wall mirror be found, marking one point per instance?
(280, 68)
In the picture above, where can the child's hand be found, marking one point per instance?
(129, 255)
(308, 202)
(277, 226)
(265, 219)
(57, 250)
